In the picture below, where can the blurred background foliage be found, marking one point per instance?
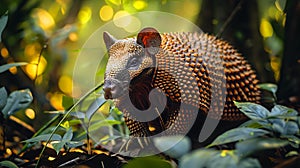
(49, 34)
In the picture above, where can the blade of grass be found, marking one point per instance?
(65, 116)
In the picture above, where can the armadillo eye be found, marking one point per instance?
(133, 63)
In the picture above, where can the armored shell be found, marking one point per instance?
(194, 69)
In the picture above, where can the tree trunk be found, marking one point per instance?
(238, 21)
(289, 84)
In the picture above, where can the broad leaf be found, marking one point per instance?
(238, 134)
(249, 163)
(94, 107)
(6, 67)
(174, 146)
(198, 158)
(68, 135)
(216, 159)
(294, 140)
(248, 147)
(3, 97)
(269, 87)
(148, 162)
(74, 144)
(17, 100)
(278, 110)
(3, 22)
(291, 128)
(257, 124)
(44, 137)
(58, 145)
(78, 114)
(9, 164)
(252, 110)
(278, 125)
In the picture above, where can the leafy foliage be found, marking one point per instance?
(7, 66)
(212, 158)
(174, 146)
(15, 101)
(148, 162)
(3, 22)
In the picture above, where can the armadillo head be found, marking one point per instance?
(128, 58)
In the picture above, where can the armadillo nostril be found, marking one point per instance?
(107, 93)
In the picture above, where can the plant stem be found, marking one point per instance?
(65, 116)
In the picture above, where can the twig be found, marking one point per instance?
(39, 60)
(233, 13)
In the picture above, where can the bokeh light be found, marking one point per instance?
(73, 37)
(30, 113)
(115, 2)
(84, 15)
(124, 21)
(4, 52)
(44, 19)
(266, 29)
(106, 13)
(134, 25)
(36, 67)
(65, 84)
(56, 100)
(140, 5)
(13, 70)
(32, 50)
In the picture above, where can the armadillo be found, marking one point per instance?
(184, 68)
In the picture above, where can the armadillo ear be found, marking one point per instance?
(150, 39)
(109, 40)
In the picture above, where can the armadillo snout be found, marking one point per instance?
(113, 89)
(108, 87)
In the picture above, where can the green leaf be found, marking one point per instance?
(58, 145)
(78, 114)
(102, 123)
(67, 102)
(3, 97)
(278, 110)
(3, 22)
(280, 4)
(74, 144)
(249, 163)
(252, 110)
(269, 87)
(257, 124)
(294, 140)
(7, 66)
(238, 134)
(17, 100)
(94, 107)
(9, 164)
(198, 158)
(251, 146)
(291, 128)
(278, 125)
(148, 162)
(68, 135)
(44, 137)
(210, 158)
(174, 146)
